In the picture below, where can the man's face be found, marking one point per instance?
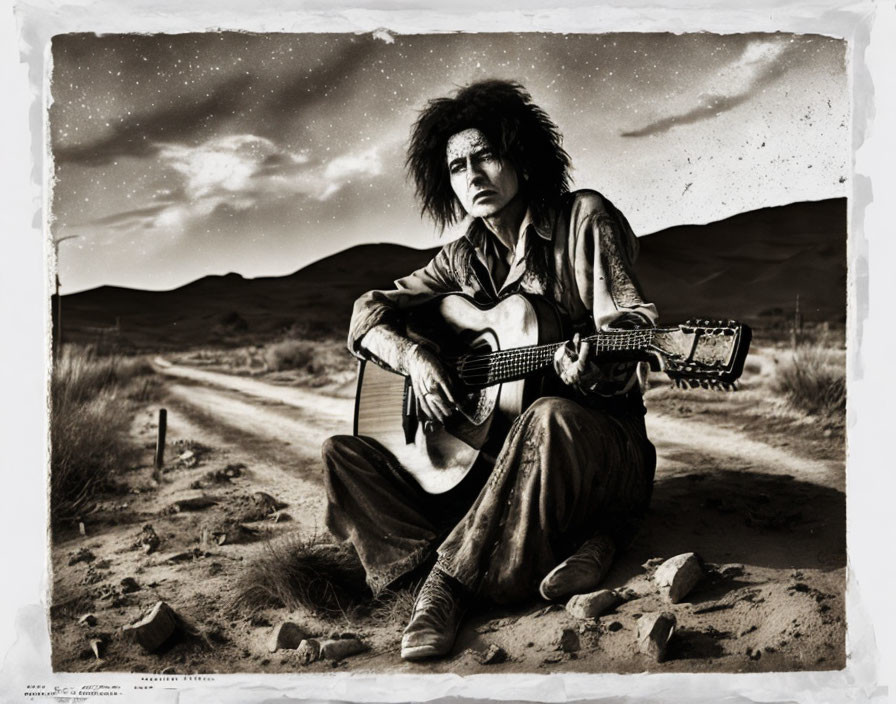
(483, 181)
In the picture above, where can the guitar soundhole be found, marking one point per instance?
(476, 402)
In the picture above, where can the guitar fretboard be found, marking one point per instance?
(516, 363)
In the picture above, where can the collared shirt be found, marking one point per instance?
(580, 257)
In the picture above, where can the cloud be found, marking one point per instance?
(761, 62)
(226, 165)
(343, 169)
(239, 172)
(276, 102)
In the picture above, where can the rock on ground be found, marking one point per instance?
(308, 651)
(195, 503)
(312, 649)
(678, 575)
(493, 656)
(96, 645)
(149, 540)
(81, 555)
(654, 632)
(568, 641)
(340, 648)
(592, 605)
(286, 636)
(154, 628)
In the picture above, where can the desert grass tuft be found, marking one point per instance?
(813, 380)
(81, 373)
(395, 607)
(289, 354)
(313, 573)
(90, 398)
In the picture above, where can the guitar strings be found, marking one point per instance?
(627, 340)
(501, 364)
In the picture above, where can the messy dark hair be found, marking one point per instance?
(520, 131)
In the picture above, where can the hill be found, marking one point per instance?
(751, 266)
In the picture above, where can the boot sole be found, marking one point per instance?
(422, 652)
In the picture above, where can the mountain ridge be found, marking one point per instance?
(748, 266)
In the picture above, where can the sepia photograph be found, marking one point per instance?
(459, 353)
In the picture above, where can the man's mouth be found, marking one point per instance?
(483, 194)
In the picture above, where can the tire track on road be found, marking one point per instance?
(277, 423)
(321, 405)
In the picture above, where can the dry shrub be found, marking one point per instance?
(395, 607)
(89, 416)
(289, 354)
(813, 379)
(324, 578)
(80, 373)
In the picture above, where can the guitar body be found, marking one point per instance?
(498, 355)
(441, 456)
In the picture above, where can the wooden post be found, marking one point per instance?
(796, 330)
(160, 442)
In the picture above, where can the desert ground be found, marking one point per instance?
(750, 484)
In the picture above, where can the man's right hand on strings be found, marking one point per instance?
(431, 383)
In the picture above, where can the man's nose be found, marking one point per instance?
(475, 173)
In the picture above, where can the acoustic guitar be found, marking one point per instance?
(500, 356)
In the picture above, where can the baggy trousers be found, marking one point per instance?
(565, 473)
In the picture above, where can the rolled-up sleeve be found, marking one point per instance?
(605, 250)
(385, 307)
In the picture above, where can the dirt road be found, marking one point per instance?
(279, 412)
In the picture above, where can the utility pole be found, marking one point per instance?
(57, 348)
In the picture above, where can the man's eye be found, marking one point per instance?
(456, 168)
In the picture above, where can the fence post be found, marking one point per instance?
(796, 330)
(160, 442)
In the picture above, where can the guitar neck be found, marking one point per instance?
(517, 363)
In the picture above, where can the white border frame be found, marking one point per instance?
(871, 30)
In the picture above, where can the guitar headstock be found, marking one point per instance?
(705, 353)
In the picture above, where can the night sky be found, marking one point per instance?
(184, 155)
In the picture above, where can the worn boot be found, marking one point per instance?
(581, 572)
(436, 618)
